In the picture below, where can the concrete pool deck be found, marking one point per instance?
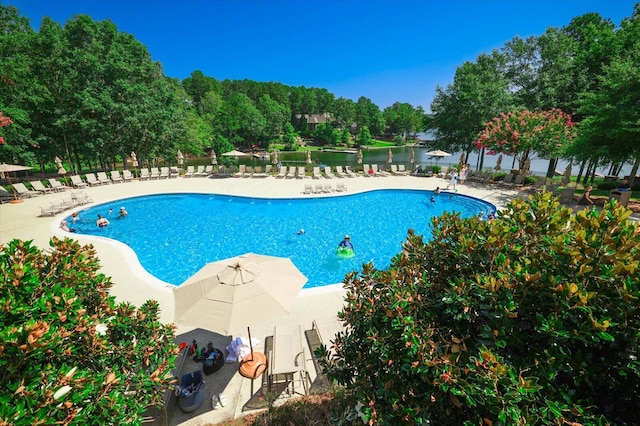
(132, 284)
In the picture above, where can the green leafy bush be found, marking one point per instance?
(68, 353)
(531, 318)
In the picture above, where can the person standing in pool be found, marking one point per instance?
(123, 212)
(346, 242)
(102, 221)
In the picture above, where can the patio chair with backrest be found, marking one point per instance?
(301, 173)
(144, 174)
(200, 172)
(115, 176)
(127, 175)
(23, 191)
(92, 180)
(39, 186)
(292, 172)
(241, 171)
(191, 171)
(56, 185)
(155, 173)
(164, 173)
(77, 181)
(339, 172)
(282, 172)
(328, 173)
(286, 366)
(316, 173)
(103, 178)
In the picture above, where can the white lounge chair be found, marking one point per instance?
(127, 175)
(242, 169)
(164, 173)
(308, 189)
(23, 191)
(144, 174)
(341, 187)
(301, 173)
(208, 170)
(115, 177)
(77, 182)
(317, 188)
(48, 210)
(57, 185)
(81, 197)
(292, 172)
(92, 179)
(282, 173)
(103, 178)
(287, 360)
(200, 171)
(366, 170)
(191, 172)
(402, 170)
(316, 173)
(154, 173)
(39, 186)
(350, 173)
(327, 173)
(339, 172)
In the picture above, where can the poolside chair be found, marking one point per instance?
(257, 172)
(191, 172)
(77, 182)
(48, 210)
(23, 191)
(127, 176)
(376, 172)
(317, 188)
(566, 196)
(341, 187)
(268, 170)
(92, 180)
(328, 173)
(81, 197)
(64, 204)
(518, 181)
(301, 173)
(208, 170)
(350, 173)
(327, 188)
(316, 173)
(144, 174)
(394, 169)
(57, 185)
(292, 172)
(200, 171)
(286, 366)
(115, 177)
(242, 169)
(308, 189)
(339, 172)
(38, 186)
(508, 179)
(164, 173)
(154, 173)
(366, 170)
(103, 178)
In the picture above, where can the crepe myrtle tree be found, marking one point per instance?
(523, 133)
(68, 352)
(530, 318)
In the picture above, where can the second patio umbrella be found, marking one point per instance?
(214, 159)
(5, 170)
(389, 156)
(61, 170)
(274, 157)
(308, 156)
(228, 295)
(412, 158)
(180, 158)
(235, 153)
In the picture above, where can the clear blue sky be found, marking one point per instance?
(387, 51)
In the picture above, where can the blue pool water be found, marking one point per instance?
(174, 235)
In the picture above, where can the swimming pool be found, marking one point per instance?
(174, 235)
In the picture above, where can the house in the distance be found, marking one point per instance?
(314, 119)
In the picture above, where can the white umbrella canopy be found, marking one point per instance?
(235, 153)
(228, 295)
(8, 168)
(438, 153)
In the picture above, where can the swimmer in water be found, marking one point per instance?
(300, 232)
(433, 199)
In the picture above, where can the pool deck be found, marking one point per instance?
(131, 283)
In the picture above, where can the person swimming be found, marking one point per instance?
(346, 242)
(432, 199)
(437, 191)
(300, 232)
(123, 212)
(102, 221)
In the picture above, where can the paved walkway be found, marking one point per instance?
(133, 284)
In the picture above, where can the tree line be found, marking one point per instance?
(90, 94)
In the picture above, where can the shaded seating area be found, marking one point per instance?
(39, 187)
(23, 191)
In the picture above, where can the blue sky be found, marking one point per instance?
(388, 51)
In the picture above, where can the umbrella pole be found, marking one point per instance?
(250, 344)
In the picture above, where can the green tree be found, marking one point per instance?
(530, 318)
(344, 112)
(275, 114)
(239, 121)
(369, 115)
(69, 353)
(364, 137)
(289, 138)
(403, 119)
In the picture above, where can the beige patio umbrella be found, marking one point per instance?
(228, 295)
(412, 158)
(214, 158)
(566, 178)
(498, 165)
(438, 154)
(274, 157)
(308, 156)
(5, 171)
(462, 159)
(389, 156)
(180, 158)
(235, 153)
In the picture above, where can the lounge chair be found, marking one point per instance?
(208, 170)
(518, 181)
(200, 171)
(242, 169)
(287, 360)
(268, 170)
(257, 172)
(191, 172)
(57, 185)
(376, 172)
(38, 186)
(508, 179)
(115, 177)
(316, 173)
(77, 182)
(566, 196)
(81, 197)
(154, 173)
(341, 187)
(103, 178)
(23, 191)
(92, 180)
(165, 173)
(292, 172)
(328, 173)
(308, 189)
(301, 173)
(366, 170)
(282, 172)
(144, 174)
(127, 175)
(6, 196)
(339, 172)
(317, 188)
(327, 188)
(350, 173)
(49, 210)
